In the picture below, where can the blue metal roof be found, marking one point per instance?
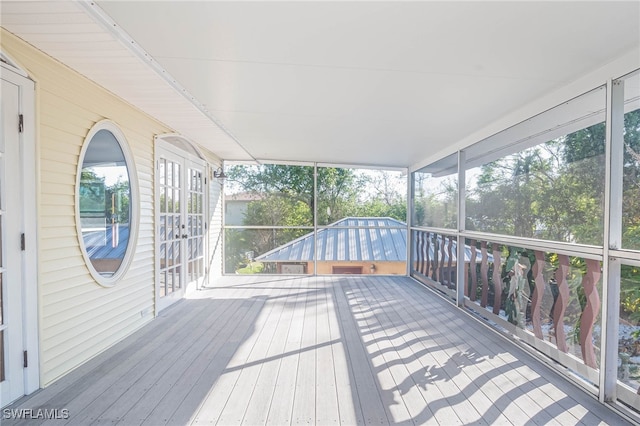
(361, 239)
(99, 243)
(349, 239)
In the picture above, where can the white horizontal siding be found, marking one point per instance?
(78, 317)
(214, 221)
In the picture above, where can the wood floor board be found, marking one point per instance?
(330, 350)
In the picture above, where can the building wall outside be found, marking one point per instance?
(214, 221)
(78, 317)
(381, 268)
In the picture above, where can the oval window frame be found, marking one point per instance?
(134, 204)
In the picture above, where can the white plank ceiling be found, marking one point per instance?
(372, 83)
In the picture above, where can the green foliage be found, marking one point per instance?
(251, 268)
(551, 191)
(286, 194)
(630, 294)
(285, 197)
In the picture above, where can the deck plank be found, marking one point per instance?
(316, 350)
(346, 390)
(327, 412)
(280, 410)
(257, 410)
(171, 389)
(304, 402)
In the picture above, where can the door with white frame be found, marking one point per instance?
(18, 318)
(181, 230)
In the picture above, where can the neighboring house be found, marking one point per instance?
(359, 245)
(236, 205)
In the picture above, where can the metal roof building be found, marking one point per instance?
(349, 239)
(360, 239)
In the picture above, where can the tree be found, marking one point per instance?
(285, 198)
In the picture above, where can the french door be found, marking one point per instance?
(11, 279)
(181, 229)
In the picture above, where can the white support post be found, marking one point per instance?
(315, 219)
(410, 204)
(460, 264)
(612, 240)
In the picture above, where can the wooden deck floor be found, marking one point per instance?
(325, 350)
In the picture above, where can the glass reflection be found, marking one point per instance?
(104, 198)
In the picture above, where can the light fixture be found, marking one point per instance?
(219, 174)
(372, 268)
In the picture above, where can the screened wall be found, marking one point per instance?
(536, 229)
(318, 219)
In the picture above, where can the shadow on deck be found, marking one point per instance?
(314, 350)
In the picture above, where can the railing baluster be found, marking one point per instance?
(538, 292)
(427, 249)
(474, 274)
(484, 274)
(450, 272)
(561, 302)
(590, 312)
(436, 247)
(442, 253)
(497, 281)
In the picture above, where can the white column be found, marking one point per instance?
(612, 240)
(460, 269)
(410, 205)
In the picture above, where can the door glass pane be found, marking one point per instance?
(161, 172)
(176, 175)
(163, 284)
(194, 230)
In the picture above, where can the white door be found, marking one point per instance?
(196, 224)
(181, 225)
(11, 279)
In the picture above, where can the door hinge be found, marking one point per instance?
(22, 242)
(20, 123)
(25, 359)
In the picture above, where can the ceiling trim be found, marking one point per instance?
(101, 17)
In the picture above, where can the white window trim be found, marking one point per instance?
(134, 204)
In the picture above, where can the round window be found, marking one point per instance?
(104, 203)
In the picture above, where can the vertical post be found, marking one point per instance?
(410, 243)
(461, 280)
(614, 152)
(315, 219)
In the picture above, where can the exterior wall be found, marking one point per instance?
(382, 268)
(214, 222)
(78, 317)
